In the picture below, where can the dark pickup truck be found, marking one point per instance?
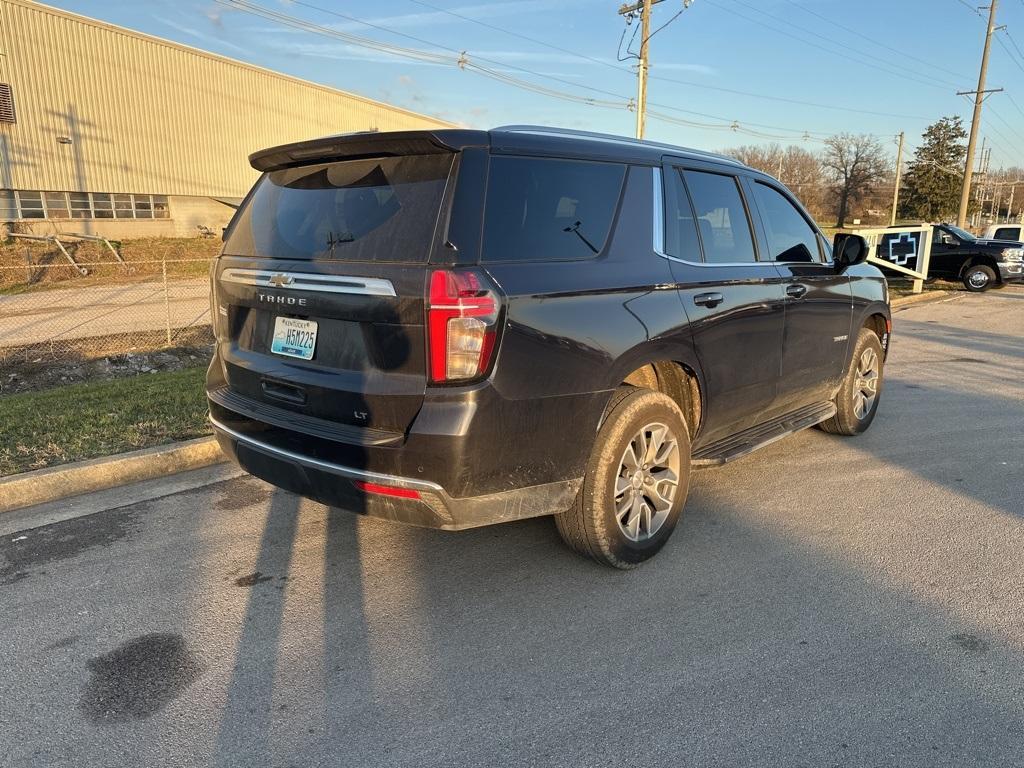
(978, 263)
(454, 328)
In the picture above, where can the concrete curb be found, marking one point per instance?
(54, 483)
(923, 298)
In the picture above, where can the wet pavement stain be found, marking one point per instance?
(969, 642)
(252, 579)
(64, 642)
(241, 493)
(138, 679)
(61, 541)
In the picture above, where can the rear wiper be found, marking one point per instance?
(575, 229)
(343, 237)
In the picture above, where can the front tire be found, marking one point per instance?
(979, 277)
(857, 399)
(635, 483)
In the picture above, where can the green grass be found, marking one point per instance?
(83, 421)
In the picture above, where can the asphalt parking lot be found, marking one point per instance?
(826, 601)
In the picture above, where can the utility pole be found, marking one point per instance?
(644, 8)
(1009, 206)
(896, 191)
(979, 97)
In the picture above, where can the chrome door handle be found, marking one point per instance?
(795, 290)
(708, 299)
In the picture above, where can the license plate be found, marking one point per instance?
(294, 338)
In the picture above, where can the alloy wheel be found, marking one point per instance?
(646, 482)
(865, 386)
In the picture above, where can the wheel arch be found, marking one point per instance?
(877, 317)
(680, 379)
(982, 260)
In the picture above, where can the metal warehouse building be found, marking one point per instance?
(111, 132)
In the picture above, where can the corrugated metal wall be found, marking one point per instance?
(145, 115)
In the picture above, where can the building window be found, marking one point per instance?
(57, 205)
(143, 206)
(102, 205)
(8, 205)
(21, 204)
(80, 205)
(31, 204)
(123, 207)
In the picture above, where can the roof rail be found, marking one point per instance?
(573, 132)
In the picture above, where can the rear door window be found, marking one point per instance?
(721, 218)
(542, 209)
(790, 237)
(377, 210)
(681, 239)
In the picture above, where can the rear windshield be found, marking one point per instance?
(541, 209)
(380, 209)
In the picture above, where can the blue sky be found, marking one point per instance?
(899, 62)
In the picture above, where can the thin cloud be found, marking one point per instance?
(211, 40)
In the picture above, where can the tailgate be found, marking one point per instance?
(320, 294)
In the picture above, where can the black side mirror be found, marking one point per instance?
(848, 250)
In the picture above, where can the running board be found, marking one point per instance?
(749, 440)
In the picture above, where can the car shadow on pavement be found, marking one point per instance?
(246, 718)
(751, 635)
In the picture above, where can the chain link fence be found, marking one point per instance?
(53, 308)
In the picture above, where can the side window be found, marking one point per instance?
(1008, 233)
(721, 218)
(541, 209)
(790, 237)
(681, 238)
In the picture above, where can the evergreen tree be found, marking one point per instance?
(931, 185)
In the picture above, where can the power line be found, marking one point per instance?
(1015, 104)
(463, 61)
(832, 51)
(535, 41)
(663, 78)
(1009, 53)
(861, 35)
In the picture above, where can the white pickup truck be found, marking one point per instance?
(1005, 232)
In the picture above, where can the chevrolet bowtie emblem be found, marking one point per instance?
(280, 280)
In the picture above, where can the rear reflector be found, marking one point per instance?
(386, 490)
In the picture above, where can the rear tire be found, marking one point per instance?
(979, 277)
(635, 483)
(857, 399)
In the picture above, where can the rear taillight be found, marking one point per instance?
(462, 316)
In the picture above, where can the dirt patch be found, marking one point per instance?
(40, 373)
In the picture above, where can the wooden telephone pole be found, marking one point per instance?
(979, 97)
(896, 191)
(644, 9)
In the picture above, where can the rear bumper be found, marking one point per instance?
(431, 507)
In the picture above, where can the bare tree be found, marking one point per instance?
(855, 166)
(794, 166)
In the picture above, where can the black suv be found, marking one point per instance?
(980, 264)
(454, 328)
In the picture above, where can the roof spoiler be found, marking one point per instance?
(353, 146)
